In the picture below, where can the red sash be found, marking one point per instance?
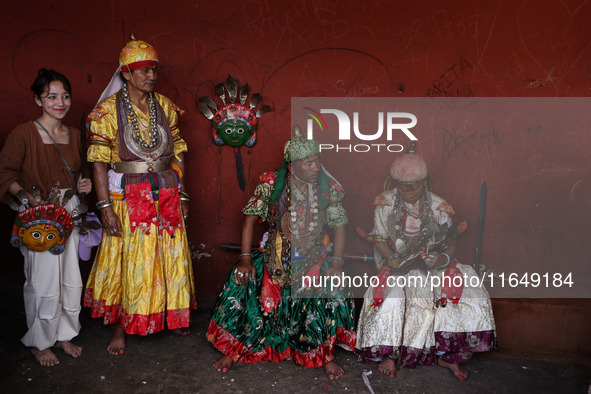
(142, 209)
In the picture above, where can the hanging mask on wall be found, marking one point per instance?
(41, 228)
(235, 123)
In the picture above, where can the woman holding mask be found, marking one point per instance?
(40, 162)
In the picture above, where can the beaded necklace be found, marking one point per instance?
(311, 210)
(397, 221)
(152, 127)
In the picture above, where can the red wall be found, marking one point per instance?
(538, 204)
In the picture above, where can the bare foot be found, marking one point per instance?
(69, 348)
(333, 370)
(117, 344)
(223, 364)
(184, 331)
(387, 367)
(45, 357)
(458, 372)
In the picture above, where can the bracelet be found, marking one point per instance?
(184, 199)
(104, 205)
(101, 202)
(22, 196)
(246, 254)
(337, 258)
(182, 193)
(447, 262)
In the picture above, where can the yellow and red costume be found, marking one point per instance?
(143, 279)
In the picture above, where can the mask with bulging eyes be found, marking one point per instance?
(41, 228)
(40, 237)
(235, 133)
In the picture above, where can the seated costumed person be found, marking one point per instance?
(414, 236)
(141, 281)
(266, 310)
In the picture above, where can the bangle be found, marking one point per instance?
(447, 262)
(182, 193)
(101, 202)
(337, 258)
(184, 199)
(22, 197)
(246, 254)
(104, 205)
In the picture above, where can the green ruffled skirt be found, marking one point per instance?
(301, 329)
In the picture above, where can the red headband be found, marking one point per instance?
(139, 65)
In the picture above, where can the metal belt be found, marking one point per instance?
(139, 167)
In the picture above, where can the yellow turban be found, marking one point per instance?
(137, 54)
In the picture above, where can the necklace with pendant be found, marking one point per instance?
(397, 225)
(152, 127)
(310, 214)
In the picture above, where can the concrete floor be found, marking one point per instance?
(166, 363)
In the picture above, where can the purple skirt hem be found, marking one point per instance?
(458, 348)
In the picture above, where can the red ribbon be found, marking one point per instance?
(378, 291)
(450, 290)
(270, 292)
